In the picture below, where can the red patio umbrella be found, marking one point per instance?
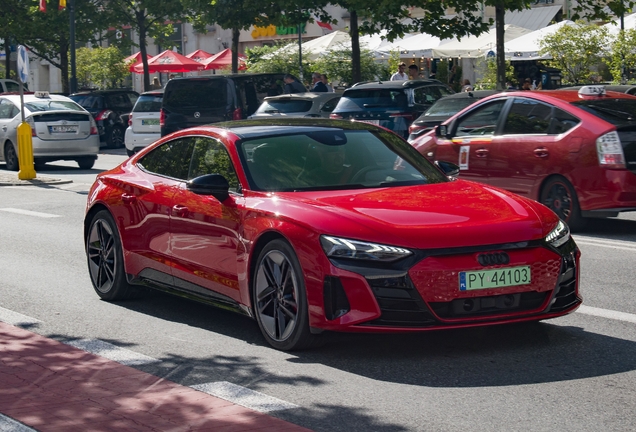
(223, 60)
(135, 59)
(169, 61)
(199, 55)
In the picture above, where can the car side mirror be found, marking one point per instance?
(210, 184)
(441, 131)
(450, 169)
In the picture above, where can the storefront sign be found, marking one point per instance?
(271, 31)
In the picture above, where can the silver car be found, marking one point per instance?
(298, 105)
(61, 130)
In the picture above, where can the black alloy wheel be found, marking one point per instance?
(559, 195)
(115, 138)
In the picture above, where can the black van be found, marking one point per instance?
(192, 101)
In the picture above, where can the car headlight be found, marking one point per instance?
(559, 235)
(336, 247)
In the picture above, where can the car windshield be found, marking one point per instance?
(89, 101)
(148, 103)
(449, 107)
(284, 106)
(52, 105)
(615, 111)
(330, 159)
(373, 98)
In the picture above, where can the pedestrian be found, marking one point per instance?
(325, 81)
(317, 85)
(414, 72)
(467, 87)
(171, 76)
(292, 85)
(527, 84)
(400, 75)
(155, 84)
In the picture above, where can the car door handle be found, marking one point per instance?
(541, 152)
(180, 211)
(128, 198)
(4, 128)
(482, 152)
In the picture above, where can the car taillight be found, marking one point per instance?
(162, 118)
(335, 116)
(610, 151)
(94, 130)
(237, 114)
(103, 115)
(130, 120)
(31, 123)
(415, 129)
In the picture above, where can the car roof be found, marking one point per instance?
(31, 97)
(394, 84)
(255, 128)
(153, 92)
(304, 95)
(568, 96)
(103, 92)
(621, 88)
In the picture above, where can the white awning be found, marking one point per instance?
(533, 19)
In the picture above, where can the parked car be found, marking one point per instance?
(445, 108)
(110, 109)
(315, 224)
(574, 151)
(193, 101)
(143, 122)
(298, 105)
(11, 86)
(61, 130)
(391, 104)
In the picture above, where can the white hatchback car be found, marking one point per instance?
(143, 122)
(60, 129)
(298, 105)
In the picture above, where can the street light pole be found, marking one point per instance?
(71, 13)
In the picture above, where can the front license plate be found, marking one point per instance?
(62, 129)
(149, 122)
(503, 277)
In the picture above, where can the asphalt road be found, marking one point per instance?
(575, 373)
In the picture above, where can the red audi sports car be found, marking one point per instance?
(309, 225)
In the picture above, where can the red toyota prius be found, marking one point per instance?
(309, 225)
(574, 151)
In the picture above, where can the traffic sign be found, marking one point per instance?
(23, 64)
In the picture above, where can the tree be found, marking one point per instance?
(337, 65)
(622, 56)
(275, 59)
(149, 18)
(575, 49)
(101, 67)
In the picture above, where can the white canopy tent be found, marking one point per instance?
(629, 22)
(476, 46)
(526, 47)
(333, 41)
(418, 45)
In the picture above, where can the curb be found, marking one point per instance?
(10, 179)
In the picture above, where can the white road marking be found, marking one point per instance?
(607, 313)
(112, 352)
(7, 424)
(16, 319)
(612, 244)
(29, 213)
(243, 396)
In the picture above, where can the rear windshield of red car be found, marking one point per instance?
(619, 112)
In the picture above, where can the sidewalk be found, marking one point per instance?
(10, 178)
(53, 387)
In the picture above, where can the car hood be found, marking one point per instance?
(454, 214)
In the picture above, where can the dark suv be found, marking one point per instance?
(391, 104)
(110, 109)
(193, 101)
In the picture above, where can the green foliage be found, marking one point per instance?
(575, 49)
(394, 61)
(277, 59)
(337, 65)
(486, 68)
(622, 55)
(442, 71)
(100, 67)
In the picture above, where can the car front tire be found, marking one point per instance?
(105, 259)
(279, 298)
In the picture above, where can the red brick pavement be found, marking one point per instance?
(53, 387)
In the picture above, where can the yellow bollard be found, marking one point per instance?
(25, 152)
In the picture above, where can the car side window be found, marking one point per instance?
(211, 157)
(171, 159)
(527, 116)
(7, 109)
(482, 120)
(562, 122)
(330, 105)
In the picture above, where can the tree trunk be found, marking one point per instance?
(355, 48)
(500, 12)
(141, 25)
(235, 43)
(7, 59)
(64, 47)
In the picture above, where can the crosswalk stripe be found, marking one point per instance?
(112, 352)
(244, 396)
(28, 212)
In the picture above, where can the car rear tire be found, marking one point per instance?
(86, 163)
(559, 195)
(129, 152)
(115, 138)
(279, 298)
(105, 259)
(11, 157)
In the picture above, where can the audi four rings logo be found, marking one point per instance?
(197, 114)
(496, 258)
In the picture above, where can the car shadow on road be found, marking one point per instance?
(610, 229)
